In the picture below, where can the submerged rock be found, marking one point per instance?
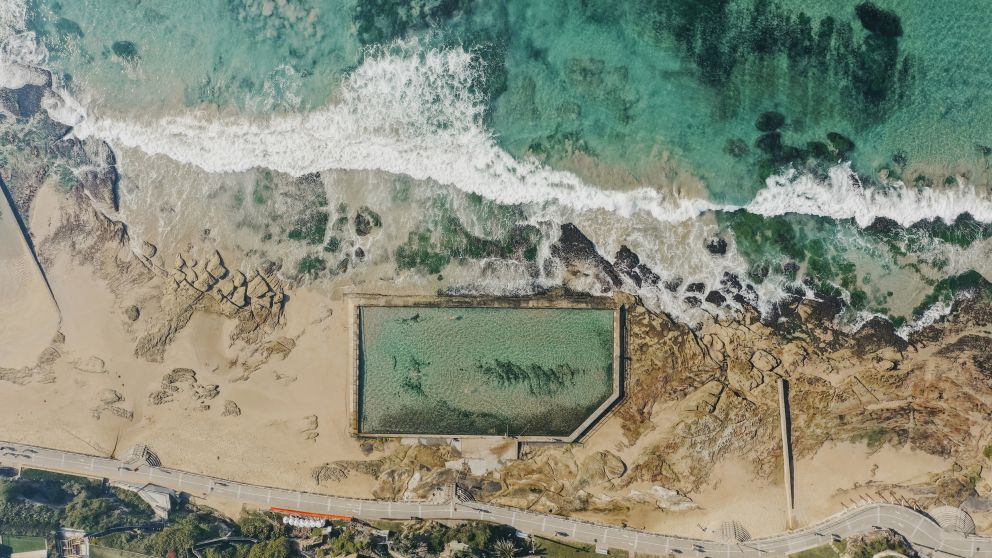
(648, 274)
(126, 50)
(716, 246)
(627, 262)
(715, 298)
(366, 220)
(731, 282)
(769, 121)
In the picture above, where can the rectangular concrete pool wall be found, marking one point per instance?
(433, 304)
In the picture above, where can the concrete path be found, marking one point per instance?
(926, 535)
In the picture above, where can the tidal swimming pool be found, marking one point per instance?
(464, 371)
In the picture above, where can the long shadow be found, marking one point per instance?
(788, 442)
(26, 234)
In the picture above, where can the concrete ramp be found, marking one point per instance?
(29, 316)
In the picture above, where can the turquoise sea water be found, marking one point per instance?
(643, 93)
(493, 371)
(615, 80)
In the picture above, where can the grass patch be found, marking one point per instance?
(24, 544)
(558, 549)
(107, 552)
(825, 551)
(394, 526)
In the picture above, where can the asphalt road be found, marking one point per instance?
(919, 529)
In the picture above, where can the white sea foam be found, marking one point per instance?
(932, 315)
(20, 53)
(413, 113)
(842, 196)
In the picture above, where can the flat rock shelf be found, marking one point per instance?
(459, 370)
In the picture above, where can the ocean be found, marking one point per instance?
(763, 149)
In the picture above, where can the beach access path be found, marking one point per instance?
(929, 538)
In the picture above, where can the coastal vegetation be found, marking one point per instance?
(38, 502)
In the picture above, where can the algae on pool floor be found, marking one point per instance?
(483, 371)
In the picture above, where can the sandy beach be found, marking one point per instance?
(270, 409)
(29, 317)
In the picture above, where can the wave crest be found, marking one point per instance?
(21, 55)
(404, 111)
(842, 196)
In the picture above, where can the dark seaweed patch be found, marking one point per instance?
(127, 50)
(540, 380)
(381, 21)
(729, 42)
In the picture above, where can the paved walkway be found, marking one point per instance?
(926, 535)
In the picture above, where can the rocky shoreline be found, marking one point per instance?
(696, 396)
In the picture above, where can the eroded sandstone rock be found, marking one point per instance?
(231, 409)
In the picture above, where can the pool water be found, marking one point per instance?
(483, 371)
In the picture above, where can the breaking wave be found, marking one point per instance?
(842, 196)
(417, 112)
(420, 112)
(21, 56)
